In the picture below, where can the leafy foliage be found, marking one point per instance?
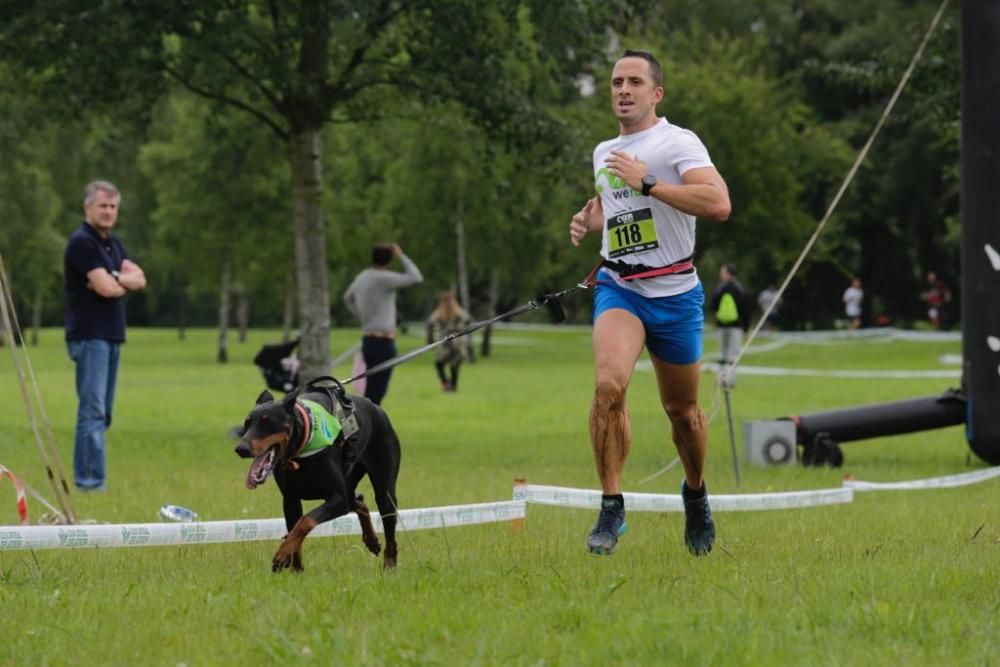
(437, 111)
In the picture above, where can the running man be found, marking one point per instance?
(652, 181)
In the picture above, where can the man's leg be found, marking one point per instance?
(377, 350)
(618, 340)
(689, 429)
(114, 354)
(732, 340)
(92, 359)
(439, 367)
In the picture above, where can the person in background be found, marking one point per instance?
(653, 181)
(853, 298)
(729, 304)
(371, 297)
(98, 275)
(448, 317)
(768, 296)
(936, 295)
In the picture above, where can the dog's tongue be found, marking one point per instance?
(260, 469)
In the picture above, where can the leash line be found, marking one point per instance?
(551, 300)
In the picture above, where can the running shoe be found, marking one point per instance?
(610, 526)
(699, 528)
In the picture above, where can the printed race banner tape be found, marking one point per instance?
(207, 532)
(650, 502)
(945, 482)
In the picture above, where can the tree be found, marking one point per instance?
(220, 204)
(294, 68)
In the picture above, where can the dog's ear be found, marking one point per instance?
(288, 402)
(265, 397)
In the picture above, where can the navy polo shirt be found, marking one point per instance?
(88, 314)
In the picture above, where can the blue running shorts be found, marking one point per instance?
(673, 324)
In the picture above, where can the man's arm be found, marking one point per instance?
(105, 284)
(132, 277)
(588, 219)
(702, 192)
(714, 297)
(410, 276)
(350, 298)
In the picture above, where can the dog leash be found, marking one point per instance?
(550, 301)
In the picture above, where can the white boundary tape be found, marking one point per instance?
(649, 502)
(842, 373)
(945, 482)
(777, 371)
(207, 532)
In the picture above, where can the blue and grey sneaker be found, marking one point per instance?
(699, 528)
(610, 526)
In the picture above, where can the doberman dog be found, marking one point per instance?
(319, 443)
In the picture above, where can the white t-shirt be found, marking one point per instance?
(644, 230)
(853, 297)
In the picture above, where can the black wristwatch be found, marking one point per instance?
(648, 181)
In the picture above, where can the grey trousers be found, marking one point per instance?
(730, 341)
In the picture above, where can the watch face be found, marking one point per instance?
(649, 180)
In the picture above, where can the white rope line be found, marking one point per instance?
(854, 373)
(209, 532)
(656, 502)
(946, 482)
(843, 186)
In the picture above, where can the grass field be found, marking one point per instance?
(895, 578)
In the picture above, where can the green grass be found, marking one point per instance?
(894, 578)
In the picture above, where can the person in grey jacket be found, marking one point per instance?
(371, 297)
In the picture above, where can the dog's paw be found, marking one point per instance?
(372, 544)
(389, 559)
(297, 563)
(284, 558)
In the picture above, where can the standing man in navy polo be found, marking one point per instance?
(98, 275)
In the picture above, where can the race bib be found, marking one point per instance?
(631, 232)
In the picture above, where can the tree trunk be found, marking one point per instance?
(463, 273)
(288, 316)
(242, 312)
(494, 299)
(182, 315)
(224, 293)
(305, 149)
(36, 313)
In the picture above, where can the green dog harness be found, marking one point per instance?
(324, 428)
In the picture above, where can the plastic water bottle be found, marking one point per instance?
(177, 513)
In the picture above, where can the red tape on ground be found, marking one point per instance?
(22, 501)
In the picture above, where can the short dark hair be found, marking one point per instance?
(730, 268)
(655, 71)
(381, 254)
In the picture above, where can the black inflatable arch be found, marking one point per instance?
(981, 225)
